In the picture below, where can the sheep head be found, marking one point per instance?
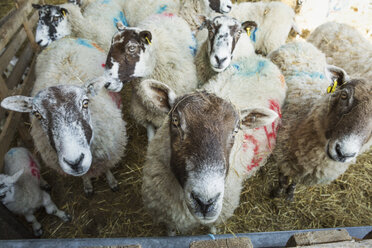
(52, 24)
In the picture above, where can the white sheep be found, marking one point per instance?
(20, 188)
(96, 23)
(71, 137)
(345, 47)
(321, 134)
(161, 47)
(274, 20)
(137, 11)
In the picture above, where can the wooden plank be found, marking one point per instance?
(318, 237)
(24, 60)
(346, 244)
(13, 24)
(15, 44)
(13, 119)
(241, 242)
(4, 92)
(11, 227)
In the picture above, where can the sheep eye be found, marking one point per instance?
(85, 103)
(251, 118)
(38, 115)
(175, 121)
(344, 95)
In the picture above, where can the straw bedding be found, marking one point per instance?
(345, 202)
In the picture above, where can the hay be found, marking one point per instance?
(345, 202)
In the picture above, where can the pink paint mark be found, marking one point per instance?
(167, 14)
(116, 98)
(34, 169)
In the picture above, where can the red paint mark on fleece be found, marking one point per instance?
(34, 169)
(103, 65)
(271, 136)
(255, 160)
(116, 98)
(167, 14)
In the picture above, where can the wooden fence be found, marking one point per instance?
(16, 40)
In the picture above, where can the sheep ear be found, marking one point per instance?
(157, 94)
(13, 179)
(18, 103)
(249, 24)
(203, 21)
(336, 73)
(120, 26)
(257, 117)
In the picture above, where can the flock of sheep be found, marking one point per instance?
(218, 94)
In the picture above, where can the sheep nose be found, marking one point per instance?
(75, 164)
(342, 156)
(107, 85)
(219, 61)
(229, 7)
(205, 206)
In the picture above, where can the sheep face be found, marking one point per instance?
(223, 35)
(63, 114)
(52, 24)
(220, 6)
(202, 129)
(348, 126)
(7, 186)
(129, 56)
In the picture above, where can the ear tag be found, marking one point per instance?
(148, 40)
(332, 88)
(64, 13)
(248, 32)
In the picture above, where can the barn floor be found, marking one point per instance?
(345, 202)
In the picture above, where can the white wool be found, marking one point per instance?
(345, 47)
(173, 64)
(274, 20)
(74, 62)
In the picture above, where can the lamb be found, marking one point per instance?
(20, 188)
(345, 47)
(188, 178)
(137, 11)
(159, 48)
(321, 134)
(271, 33)
(175, 166)
(97, 23)
(69, 126)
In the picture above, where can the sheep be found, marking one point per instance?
(20, 188)
(345, 47)
(271, 33)
(69, 126)
(224, 45)
(159, 48)
(321, 134)
(97, 23)
(137, 11)
(189, 178)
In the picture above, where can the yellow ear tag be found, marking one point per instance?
(248, 32)
(64, 13)
(332, 88)
(148, 40)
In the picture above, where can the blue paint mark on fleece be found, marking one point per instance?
(194, 47)
(11, 151)
(121, 18)
(84, 43)
(161, 9)
(106, 1)
(260, 66)
(309, 74)
(253, 35)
